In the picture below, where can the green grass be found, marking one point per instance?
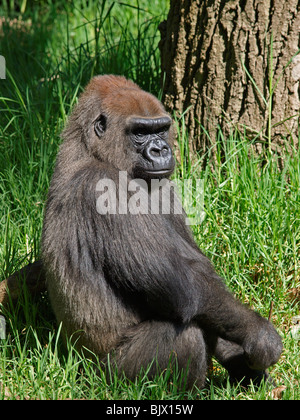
(251, 230)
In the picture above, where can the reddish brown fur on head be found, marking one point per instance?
(124, 97)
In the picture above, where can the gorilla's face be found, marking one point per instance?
(130, 129)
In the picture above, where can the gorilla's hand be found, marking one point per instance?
(262, 345)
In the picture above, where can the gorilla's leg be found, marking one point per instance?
(232, 357)
(163, 344)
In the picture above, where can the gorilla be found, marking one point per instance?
(133, 284)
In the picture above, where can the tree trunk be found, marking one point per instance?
(234, 64)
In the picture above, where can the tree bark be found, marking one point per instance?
(234, 64)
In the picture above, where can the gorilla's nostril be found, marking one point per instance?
(165, 151)
(155, 151)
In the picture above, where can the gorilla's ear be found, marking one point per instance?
(100, 125)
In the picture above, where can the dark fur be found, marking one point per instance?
(136, 286)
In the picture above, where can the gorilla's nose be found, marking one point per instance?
(158, 148)
(158, 152)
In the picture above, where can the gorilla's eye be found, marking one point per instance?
(140, 135)
(100, 125)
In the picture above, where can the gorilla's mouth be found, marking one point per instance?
(159, 172)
